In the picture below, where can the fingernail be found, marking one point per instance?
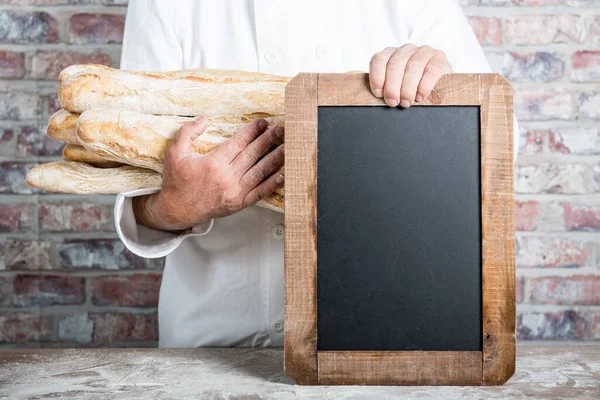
(419, 98)
(377, 93)
(282, 149)
(391, 102)
(262, 124)
(199, 120)
(279, 179)
(405, 104)
(279, 131)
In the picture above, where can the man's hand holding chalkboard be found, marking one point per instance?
(405, 75)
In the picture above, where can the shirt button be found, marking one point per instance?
(277, 326)
(273, 57)
(278, 232)
(321, 51)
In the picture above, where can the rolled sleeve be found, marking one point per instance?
(143, 241)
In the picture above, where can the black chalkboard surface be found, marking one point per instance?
(399, 228)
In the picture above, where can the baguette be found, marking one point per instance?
(80, 178)
(73, 152)
(141, 139)
(198, 92)
(62, 126)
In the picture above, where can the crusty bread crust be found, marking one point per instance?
(62, 126)
(73, 152)
(81, 178)
(141, 139)
(190, 93)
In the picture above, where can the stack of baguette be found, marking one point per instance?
(117, 124)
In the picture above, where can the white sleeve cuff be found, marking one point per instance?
(143, 241)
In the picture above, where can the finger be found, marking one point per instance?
(394, 74)
(413, 74)
(185, 136)
(377, 70)
(264, 168)
(435, 69)
(241, 139)
(255, 150)
(263, 190)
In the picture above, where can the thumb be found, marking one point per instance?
(188, 132)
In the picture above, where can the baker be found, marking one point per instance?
(223, 278)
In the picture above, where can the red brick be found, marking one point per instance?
(16, 217)
(27, 254)
(595, 30)
(522, 3)
(526, 215)
(531, 3)
(12, 65)
(28, 27)
(580, 141)
(96, 28)
(520, 289)
(5, 289)
(34, 142)
(24, 327)
(589, 105)
(552, 252)
(561, 325)
(532, 67)
(487, 30)
(7, 144)
(48, 290)
(13, 177)
(75, 328)
(595, 321)
(553, 178)
(47, 2)
(543, 104)
(102, 254)
(52, 100)
(18, 105)
(586, 66)
(48, 64)
(581, 217)
(131, 290)
(75, 216)
(544, 29)
(532, 142)
(570, 290)
(119, 327)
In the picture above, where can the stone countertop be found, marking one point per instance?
(543, 371)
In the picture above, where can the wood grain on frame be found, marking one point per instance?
(497, 361)
(497, 227)
(399, 367)
(352, 89)
(300, 340)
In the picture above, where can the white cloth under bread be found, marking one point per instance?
(224, 286)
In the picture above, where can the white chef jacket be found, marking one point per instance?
(223, 282)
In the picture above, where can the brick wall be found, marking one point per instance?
(65, 280)
(550, 51)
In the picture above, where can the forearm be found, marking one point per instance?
(150, 212)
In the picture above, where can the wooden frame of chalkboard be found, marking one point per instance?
(304, 363)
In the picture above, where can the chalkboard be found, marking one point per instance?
(399, 233)
(399, 229)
